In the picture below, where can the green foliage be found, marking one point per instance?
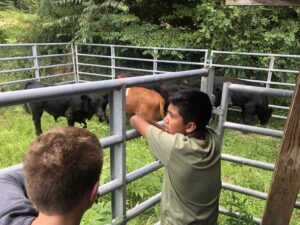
(6, 4)
(249, 29)
(192, 24)
(26, 5)
(237, 205)
(23, 5)
(16, 136)
(3, 36)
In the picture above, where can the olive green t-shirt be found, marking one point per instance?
(192, 177)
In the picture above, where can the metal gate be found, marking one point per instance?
(119, 135)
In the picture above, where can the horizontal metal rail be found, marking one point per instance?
(144, 47)
(247, 162)
(140, 208)
(269, 82)
(279, 117)
(132, 69)
(57, 75)
(54, 55)
(16, 70)
(279, 107)
(255, 54)
(109, 187)
(38, 94)
(94, 55)
(117, 67)
(16, 58)
(16, 81)
(31, 79)
(253, 68)
(271, 106)
(252, 129)
(94, 65)
(94, 74)
(31, 44)
(143, 171)
(55, 65)
(261, 90)
(250, 192)
(236, 215)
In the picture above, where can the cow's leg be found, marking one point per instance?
(36, 117)
(248, 112)
(71, 121)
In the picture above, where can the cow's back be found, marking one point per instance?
(144, 102)
(251, 103)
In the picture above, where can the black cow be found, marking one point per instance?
(251, 104)
(100, 102)
(76, 108)
(166, 89)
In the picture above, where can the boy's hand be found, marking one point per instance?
(140, 124)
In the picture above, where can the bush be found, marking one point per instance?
(3, 37)
(26, 5)
(6, 4)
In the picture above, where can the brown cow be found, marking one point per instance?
(144, 102)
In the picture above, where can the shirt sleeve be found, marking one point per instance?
(160, 143)
(15, 207)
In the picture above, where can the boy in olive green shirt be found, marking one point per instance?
(191, 156)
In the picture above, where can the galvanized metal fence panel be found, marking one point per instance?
(117, 138)
(266, 71)
(38, 61)
(118, 135)
(115, 53)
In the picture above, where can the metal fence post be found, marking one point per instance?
(35, 62)
(113, 62)
(208, 82)
(222, 110)
(118, 153)
(75, 62)
(271, 66)
(155, 53)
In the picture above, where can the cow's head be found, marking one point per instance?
(264, 115)
(95, 103)
(87, 106)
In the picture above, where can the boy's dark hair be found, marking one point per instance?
(60, 167)
(194, 106)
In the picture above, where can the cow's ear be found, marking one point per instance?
(85, 98)
(190, 127)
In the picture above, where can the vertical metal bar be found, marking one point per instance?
(35, 62)
(207, 82)
(271, 66)
(118, 153)
(75, 62)
(155, 54)
(113, 62)
(223, 111)
(211, 59)
(206, 61)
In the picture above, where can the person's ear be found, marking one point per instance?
(190, 127)
(94, 193)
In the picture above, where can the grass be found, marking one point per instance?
(15, 24)
(17, 131)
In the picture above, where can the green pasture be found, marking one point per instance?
(17, 131)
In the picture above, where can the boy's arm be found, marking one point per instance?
(160, 143)
(141, 124)
(15, 207)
